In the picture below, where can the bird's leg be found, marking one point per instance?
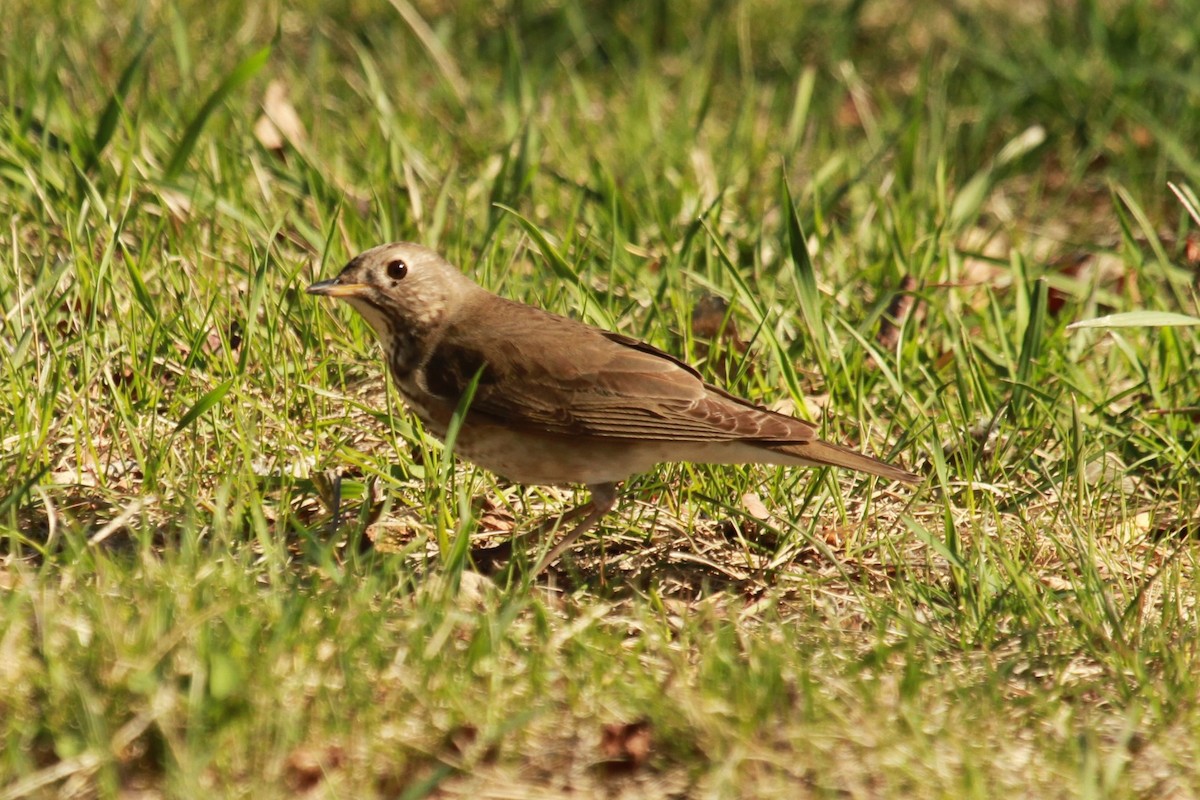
(604, 497)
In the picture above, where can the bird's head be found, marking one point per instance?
(398, 287)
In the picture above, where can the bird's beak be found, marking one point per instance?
(335, 288)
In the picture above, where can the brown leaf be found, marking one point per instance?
(212, 342)
(711, 320)
(497, 522)
(461, 738)
(1191, 249)
(392, 534)
(1056, 583)
(464, 742)
(754, 506)
(833, 536)
(713, 324)
(625, 746)
(1141, 136)
(494, 517)
(279, 123)
(122, 376)
(1071, 265)
(307, 766)
(944, 360)
(268, 135)
(906, 303)
(1176, 527)
(847, 115)
(74, 312)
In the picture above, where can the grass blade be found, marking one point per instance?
(204, 404)
(1032, 341)
(561, 268)
(806, 280)
(106, 125)
(242, 73)
(1138, 319)
(437, 51)
(140, 292)
(1187, 197)
(747, 296)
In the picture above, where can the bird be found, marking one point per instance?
(557, 401)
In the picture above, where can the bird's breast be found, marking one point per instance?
(403, 356)
(434, 413)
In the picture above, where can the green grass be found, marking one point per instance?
(905, 212)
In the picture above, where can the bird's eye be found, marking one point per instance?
(397, 269)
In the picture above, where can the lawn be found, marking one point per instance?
(232, 564)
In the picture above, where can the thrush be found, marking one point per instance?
(557, 401)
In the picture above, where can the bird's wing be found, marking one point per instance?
(548, 373)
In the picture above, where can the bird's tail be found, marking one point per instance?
(817, 453)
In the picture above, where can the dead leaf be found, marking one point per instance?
(711, 320)
(464, 742)
(497, 523)
(847, 115)
(212, 342)
(121, 377)
(233, 334)
(833, 537)
(1176, 527)
(1072, 265)
(1056, 584)
(495, 517)
(904, 305)
(74, 476)
(268, 135)
(1109, 471)
(715, 331)
(461, 738)
(307, 766)
(74, 312)
(178, 205)
(279, 123)
(392, 534)
(625, 746)
(755, 507)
